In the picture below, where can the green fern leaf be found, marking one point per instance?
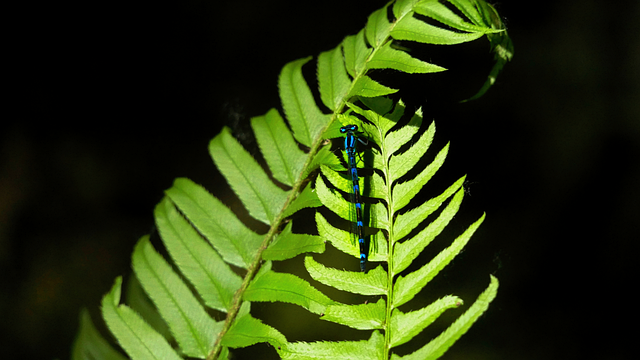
(248, 330)
(407, 287)
(438, 346)
(408, 221)
(346, 350)
(305, 117)
(378, 27)
(288, 245)
(408, 250)
(138, 300)
(204, 239)
(443, 14)
(234, 242)
(333, 80)
(135, 336)
(271, 286)
(356, 52)
(306, 199)
(260, 195)
(324, 157)
(341, 239)
(191, 326)
(413, 29)
(366, 87)
(400, 164)
(89, 344)
(390, 58)
(398, 326)
(373, 282)
(403, 193)
(362, 317)
(405, 326)
(197, 260)
(276, 143)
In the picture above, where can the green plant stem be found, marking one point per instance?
(390, 272)
(257, 261)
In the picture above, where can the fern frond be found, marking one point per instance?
(204, 238)
(403, 244)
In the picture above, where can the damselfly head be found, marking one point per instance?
(347, 128)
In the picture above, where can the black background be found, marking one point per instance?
(109, 102)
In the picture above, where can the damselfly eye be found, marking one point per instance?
(346, 128)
